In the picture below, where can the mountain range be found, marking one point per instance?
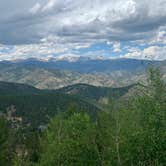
(58, 73)
(88, 65)
(33, 91)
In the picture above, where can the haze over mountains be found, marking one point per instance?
(57, 73)
(87, 64)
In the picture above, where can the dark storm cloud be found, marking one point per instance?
(32, 20)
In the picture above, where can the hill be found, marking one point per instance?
(15, 88)
(96, 94)
(33, 107)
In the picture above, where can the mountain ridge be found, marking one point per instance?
(88, 65)
(54, 75)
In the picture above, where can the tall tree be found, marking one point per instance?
(69, 142)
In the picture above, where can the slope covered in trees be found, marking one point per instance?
(95, 93)
(132, 134)
(14, 88)
(36, 107)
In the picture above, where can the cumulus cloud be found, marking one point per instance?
(150, 53)
(35, 8)
(117, 47)
(71, 24)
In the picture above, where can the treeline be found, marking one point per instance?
(132, 134)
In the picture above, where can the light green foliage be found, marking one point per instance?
(143, 126)
(69, 142)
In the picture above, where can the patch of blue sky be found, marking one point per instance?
(104, 48)
(7, 49)
(96, 47)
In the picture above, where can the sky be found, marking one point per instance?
(46, 29)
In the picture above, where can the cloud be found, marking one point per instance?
(35, 8)
(110, 20)
(49, 5)
(116, 47)
(150, 53)
(71, 24)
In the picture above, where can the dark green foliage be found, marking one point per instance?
(94, 93)
(15, 89)
(38, 109)
(5, 146)
(3, 138)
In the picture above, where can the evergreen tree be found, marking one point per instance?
(4, 137)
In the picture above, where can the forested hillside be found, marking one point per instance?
(100, 95)
(14, 88)
(79, 133)
(36, 107)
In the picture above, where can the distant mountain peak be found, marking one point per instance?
(67, 58)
